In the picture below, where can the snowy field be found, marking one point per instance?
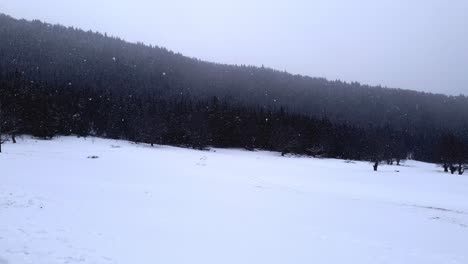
(136, 204)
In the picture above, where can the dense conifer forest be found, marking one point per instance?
(56, 80)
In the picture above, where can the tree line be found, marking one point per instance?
(45, 110)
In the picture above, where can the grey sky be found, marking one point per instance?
(412, 44)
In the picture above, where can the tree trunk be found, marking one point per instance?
(376, 165)
(13, 138)
(152, 144)
(453, 169)
(445, 167)
(398, 162)
(460, 169)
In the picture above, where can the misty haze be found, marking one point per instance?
(233, 131)
(418, 45)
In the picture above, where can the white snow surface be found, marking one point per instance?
(142, 204)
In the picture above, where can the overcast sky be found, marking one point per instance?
(412, 44)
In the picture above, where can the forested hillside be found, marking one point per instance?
(57, 54)
(59, 80)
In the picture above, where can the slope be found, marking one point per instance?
(138, 204)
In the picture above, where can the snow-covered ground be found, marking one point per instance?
(138, 204)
